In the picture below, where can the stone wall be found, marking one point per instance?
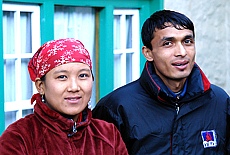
(212, 23)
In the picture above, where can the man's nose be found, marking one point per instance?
(180, 50)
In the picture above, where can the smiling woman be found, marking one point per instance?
(62, 72)
(67, 88)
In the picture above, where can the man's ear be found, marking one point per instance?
(39, 85)
(147, 53)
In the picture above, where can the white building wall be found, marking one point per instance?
(212, 23)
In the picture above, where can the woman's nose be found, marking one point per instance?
(73, 85)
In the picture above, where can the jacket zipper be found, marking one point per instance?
(74, 130)
(177, 106)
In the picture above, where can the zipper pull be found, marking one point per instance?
(75, 127)
(74, 130)
(177, 108)
(178, 97)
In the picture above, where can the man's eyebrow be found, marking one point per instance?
(189, 36)
(173, 38)
(167, 38)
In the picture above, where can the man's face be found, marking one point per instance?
(173, 53)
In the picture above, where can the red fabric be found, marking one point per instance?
(205, 80)
(55, 53)
(45, 132)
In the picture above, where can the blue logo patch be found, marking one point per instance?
(209, 138)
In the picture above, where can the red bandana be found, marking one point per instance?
(55, 53)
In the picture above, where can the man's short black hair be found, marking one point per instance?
(159, 20)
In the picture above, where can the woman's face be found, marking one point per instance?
(68, 88)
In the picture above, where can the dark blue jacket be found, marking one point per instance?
(151, 121)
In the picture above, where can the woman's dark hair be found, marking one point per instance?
(159, 20)
(43, 78)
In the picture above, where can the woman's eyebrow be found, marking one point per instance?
(65, 71)
(85, 69)
(60, 71)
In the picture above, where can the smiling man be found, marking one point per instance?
(172, 108)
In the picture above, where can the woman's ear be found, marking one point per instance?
(39, 85)
(147, 53)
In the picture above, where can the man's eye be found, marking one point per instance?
(167, 43)
(188, 41)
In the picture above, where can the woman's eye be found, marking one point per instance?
(83, 75)
(62, 77)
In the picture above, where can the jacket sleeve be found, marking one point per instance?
(105, 110)
(228, 127)
(12, 142)
(111, 111)
(120, 145)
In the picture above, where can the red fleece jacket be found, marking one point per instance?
(47, 132)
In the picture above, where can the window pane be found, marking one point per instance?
(117, 70)
(25, 18)
(10, 117)
(117, 31)
(26, 112)
(129, 67)
(8, 32)
(129, 31)
(27, 85)
(9, 80)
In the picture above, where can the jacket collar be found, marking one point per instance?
(197, 83)
(55, 121)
